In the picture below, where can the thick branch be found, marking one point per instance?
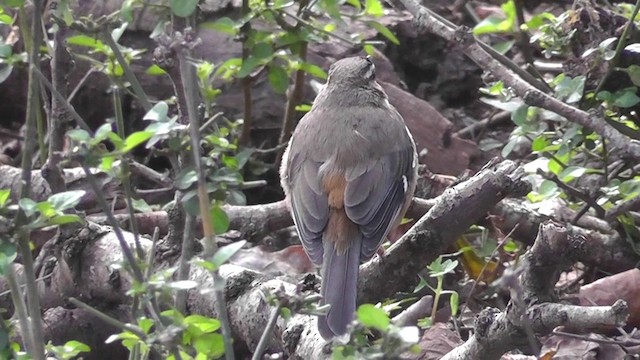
(455, 210)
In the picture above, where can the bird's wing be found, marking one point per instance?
(309, 204)
(376, 191)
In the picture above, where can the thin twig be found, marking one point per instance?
(128, 73)
(56, 94)
(125, 172)
(126, 250)
(20, 309)
(108, 319)
(24, 246)
(267, 333)
(189, 88)
(247, 81)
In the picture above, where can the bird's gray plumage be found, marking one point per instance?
(349, 173)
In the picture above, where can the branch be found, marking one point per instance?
(454, 211)
(432, 23)
(530, 311)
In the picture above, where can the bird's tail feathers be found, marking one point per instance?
(339, 287)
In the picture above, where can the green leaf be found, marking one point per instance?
(186, 178)
(136, 139)
(369, 49)
(373, 8)
(248, 66)
(158, 112)
(5, 51)
(224, 24)
(155, 70)
(66, 200)
(210, 344)
(571, 172)
(4, 196)
(12, 3)
(627, 99)
(6, 19)
(278, 78)
(634, 74)
(262, 51)
(454, 302)
(313, 70)
(64, 219)
(28, 206)
(226, 252)
(8, 254)
(539, 143)
(219, 219)
(374, 317)
(519, 117)
(86, 41)
(183, 8)
(205, 324)
(384, 31)
(79, 135)
(141, 206)
(117, 32)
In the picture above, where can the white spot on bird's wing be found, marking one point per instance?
(405, 183)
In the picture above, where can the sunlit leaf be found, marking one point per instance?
(373, 317)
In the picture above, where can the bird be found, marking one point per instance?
(348, 173)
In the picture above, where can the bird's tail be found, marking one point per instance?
(339, 287)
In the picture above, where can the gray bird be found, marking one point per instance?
(349, 173)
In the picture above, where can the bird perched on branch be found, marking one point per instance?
(349, 173)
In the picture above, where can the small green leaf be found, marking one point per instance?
(571, 172)
(278, 78)
(12, 3)
(211, 345)
(226, 252)
(371, 316)
(519, 117)
(627, 99)
(158, 112)
(205, 324)
(313, 70)
(28, 206)
(185, 179)
(64, 219)
(634, 74)
(183, 8)
(262, 51)
(384, 31)
(248, 66)
(224, 24)
(66, 200)
(539, 143)
(4, 196)
(136, 139)
(373, 8)
(454, 302)
(8, 254)
(86, 41)
(155, 70)
(141, 206)
(79, 135)
(219, 219)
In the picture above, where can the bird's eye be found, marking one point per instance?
(370, 71)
